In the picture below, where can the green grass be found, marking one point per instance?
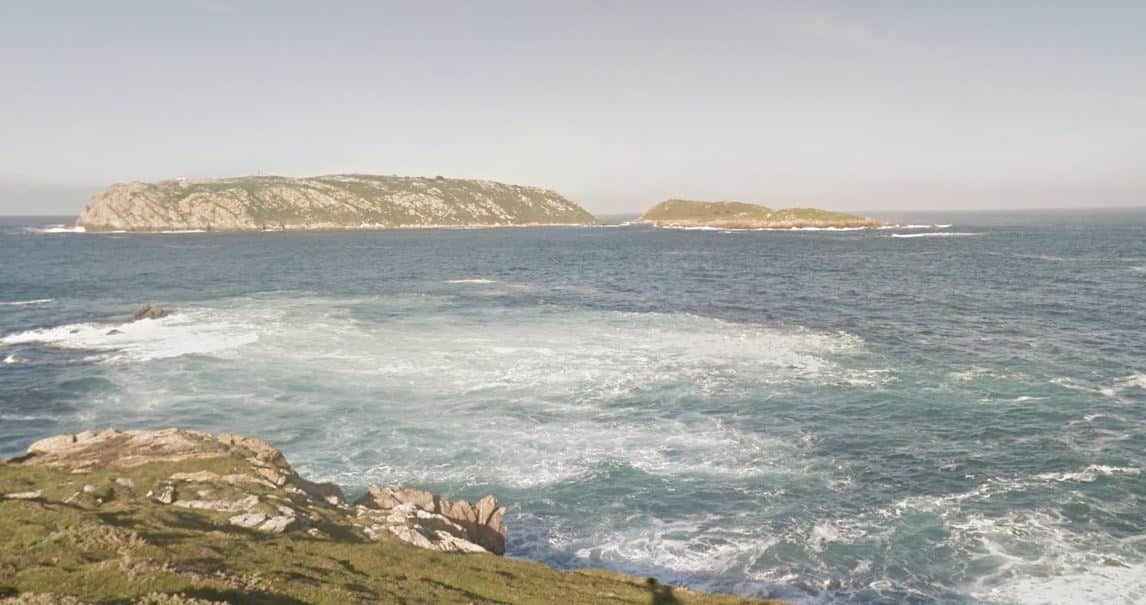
(115, 545)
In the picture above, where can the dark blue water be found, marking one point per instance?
(822, 416)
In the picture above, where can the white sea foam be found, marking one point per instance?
(1024, 556)
(57, 229)
(145, 340)
(936, 234)
(812, 229)
(672, 545)
(11, 358)
(472, 281)
(751, 229)
(531, 391)
(1134, 381)
(24, 303)
(1108, 584)
(1090, 473)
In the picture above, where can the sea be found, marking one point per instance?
(949, 412)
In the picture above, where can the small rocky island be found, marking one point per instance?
(181, 517)
(340, 201)
(740, 215)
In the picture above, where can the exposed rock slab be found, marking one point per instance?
(480, 522)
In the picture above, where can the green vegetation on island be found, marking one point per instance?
(342, 201)
(740, 215)
(183, 517)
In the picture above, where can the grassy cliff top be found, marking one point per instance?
(166, 517)
(743, 215)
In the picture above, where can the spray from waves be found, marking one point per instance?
(178, 334)
(24, 303)
(935, 234)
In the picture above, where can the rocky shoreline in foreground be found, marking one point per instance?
(181, 516)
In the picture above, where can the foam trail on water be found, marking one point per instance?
(57, 229)
(24, 303)
(936, 234)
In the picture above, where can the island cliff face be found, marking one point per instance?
(739, 215)
(341, 201)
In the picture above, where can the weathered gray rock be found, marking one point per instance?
(341, 201)
(248, 520)
(480, 523)
(420, 528)
(164, 495)
(223, 506)
(24, 495)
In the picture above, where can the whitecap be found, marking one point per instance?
(23, 303)
(57, 229)
(1133, 381)
(11, 358)
(1090, 473)
(475, 281)
(936, 234)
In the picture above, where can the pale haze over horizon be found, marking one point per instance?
(847, 106)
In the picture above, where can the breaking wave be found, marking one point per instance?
(144, 340)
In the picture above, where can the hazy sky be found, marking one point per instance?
(849, 105)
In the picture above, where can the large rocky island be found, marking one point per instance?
(340, 201)
(740, 215)
(179, 517)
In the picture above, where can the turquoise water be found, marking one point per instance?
(827, 417)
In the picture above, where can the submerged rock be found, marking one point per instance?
(145, 311)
